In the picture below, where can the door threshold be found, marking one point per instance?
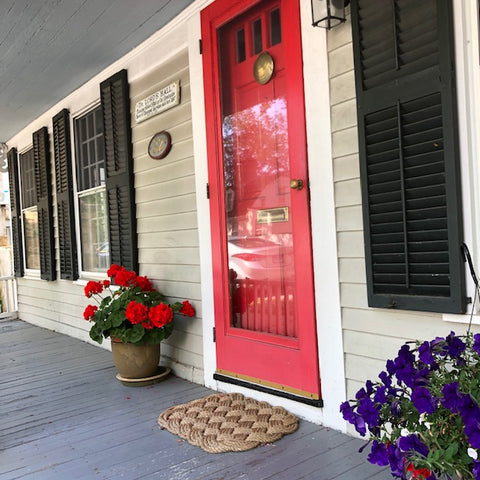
(221, 377)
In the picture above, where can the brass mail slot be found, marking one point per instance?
(272, 215)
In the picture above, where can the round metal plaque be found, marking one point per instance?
(263, 68)
(160, 145)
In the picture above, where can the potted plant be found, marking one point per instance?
(423, 414)
(135, 316)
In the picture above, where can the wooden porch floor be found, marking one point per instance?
(63, 416)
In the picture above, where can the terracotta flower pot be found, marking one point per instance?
(135, 361)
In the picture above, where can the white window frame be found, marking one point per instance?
(83, 274)
(29, 272)
(467, 58)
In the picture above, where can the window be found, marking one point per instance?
(105, 193)
(409, 160)
(92, 204)
(16, 215)
(29, 210)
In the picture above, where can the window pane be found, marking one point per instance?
(27, 176)
(241, 55)
(257, 36)
(32, 250)
(94, 232)
(90, 130)
(89, 149)
(275, 29)
(98, 122)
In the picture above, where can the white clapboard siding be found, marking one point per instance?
(166, 212)
(370, 335)
(167, 229)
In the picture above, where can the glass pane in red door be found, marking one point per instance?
(257, 190)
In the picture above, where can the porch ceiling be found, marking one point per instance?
(48, 48)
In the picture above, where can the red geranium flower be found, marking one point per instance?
(112, 271)
(92, 288)
(160, 315)
(144, 283)
(148, 325)
(187, 309)
(418, 473)
(124, 277)
(89, 312)
(137, 303)
(136, 312)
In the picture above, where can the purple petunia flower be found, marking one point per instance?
(469, 409)
(476, 469)
(425, 353)
(380, 395)
(455, 346)
(396, 459)
(385, 378)
(405, 371)
(369, 387)
(476, 343)
(423, 400)
(378, 454)
(391, 368)
(406, 374)
(451, 396)
(395, 408)
(421, 377)
(472, 431)
(367, 410)
(351, 417)
(359, 424)
(347, 412)
(412, 442)
(362, 393)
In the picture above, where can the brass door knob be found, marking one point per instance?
(296, 184)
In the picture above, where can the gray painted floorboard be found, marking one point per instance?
(65, 416)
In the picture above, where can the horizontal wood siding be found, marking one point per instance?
(370, 335)
(167, 231)
(166, 212)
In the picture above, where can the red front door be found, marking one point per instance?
(263, 281)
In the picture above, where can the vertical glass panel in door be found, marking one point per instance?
(257, 198)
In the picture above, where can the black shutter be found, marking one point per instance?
(16, 213)
(41, 153)
(409, 156)
(114, 94)
(64, 189)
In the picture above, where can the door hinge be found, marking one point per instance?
(200, 46)
(214, 335)
(207, 189)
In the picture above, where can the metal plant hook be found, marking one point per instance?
(467, 258)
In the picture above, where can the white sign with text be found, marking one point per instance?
(158, 102)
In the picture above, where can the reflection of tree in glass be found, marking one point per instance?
(255, 140)
(256, 161)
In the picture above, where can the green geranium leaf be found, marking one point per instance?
(136, 333)
(117, 318)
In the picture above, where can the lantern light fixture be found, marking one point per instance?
(328, 13)
(3, 150)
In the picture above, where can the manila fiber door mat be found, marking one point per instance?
(228, 422)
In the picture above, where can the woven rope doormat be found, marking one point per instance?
(228, 422)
